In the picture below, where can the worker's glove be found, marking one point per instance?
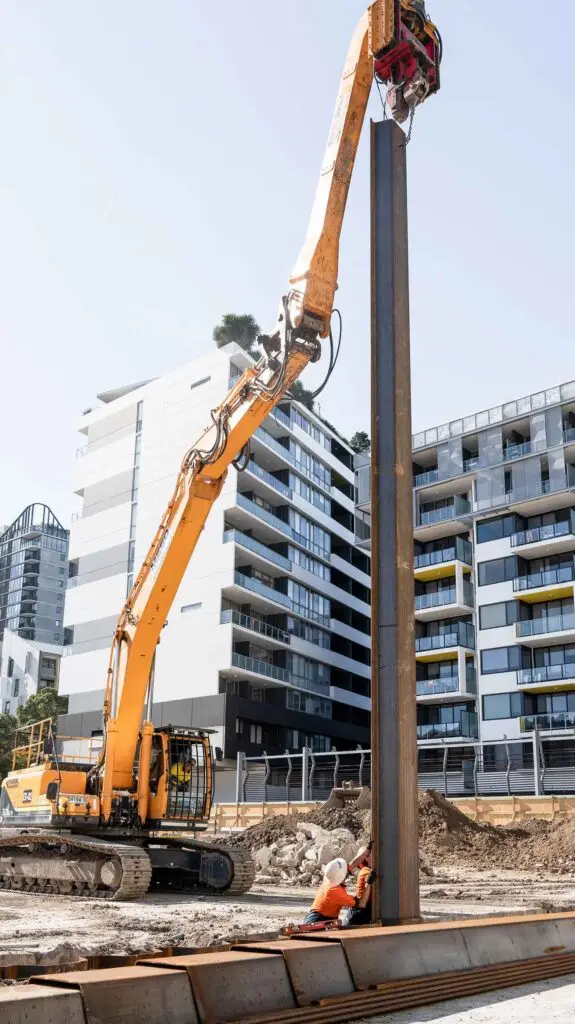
(371, 877)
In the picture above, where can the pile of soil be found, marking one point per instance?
(446, 837)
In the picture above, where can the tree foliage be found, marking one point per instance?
(7, 729)
(360, 442)
(241, 328)
(45, 704)
(302, 394)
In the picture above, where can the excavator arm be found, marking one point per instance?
(398, 44)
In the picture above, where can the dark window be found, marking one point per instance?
(501, 614)
(498, 570)
(504, 659)
(497, 528)
(10, 666)
(502, 705)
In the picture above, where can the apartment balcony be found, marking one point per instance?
(273, 529)
(450, 601)
(266, 599)
(261, 671)
(546, 674)
(518, 451)
(267, 635)
(547, 630)
(433, 565)
(545, 540)
(431, 476)
(545, 586)
(456, 685)
(262, 551)
(563, 721)
(443, 521)
(268, 479)
(444, 646)
(465, 728)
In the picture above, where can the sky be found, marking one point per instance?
(159, 162)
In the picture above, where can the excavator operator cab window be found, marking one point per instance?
(187, 778)
(156, 763)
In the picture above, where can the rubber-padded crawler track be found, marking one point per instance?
(134, 862)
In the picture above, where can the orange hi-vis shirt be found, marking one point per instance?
(362, 881)
(331, 899)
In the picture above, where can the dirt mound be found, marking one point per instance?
(263, 834)
(447, 835)
(356, 822)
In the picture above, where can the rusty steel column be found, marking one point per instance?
(393, 716)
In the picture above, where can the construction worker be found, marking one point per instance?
(181, 773)
(332, 895)
(361, 914)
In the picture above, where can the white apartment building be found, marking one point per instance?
(494, 565)
(268, 638)
(26, 667)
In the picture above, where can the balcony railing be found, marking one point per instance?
(269, 478)
(470, 464)
(282, 417)
(466, 726)
(546, 624)
(548, 578)
(257, 587)
(282, 675)
(435, 599)
(468, 594)
(564, 528)
(462, 635)
(433, 687)
(285, 453)
(516, 451)
(429, 477)
(440, 515)
(255, 625)
(258, 548)
(461, 550)
(547, 723)
(262, 513)
(545, 674)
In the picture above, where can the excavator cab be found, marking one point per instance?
(181, 776)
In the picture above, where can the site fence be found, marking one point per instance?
(522, 767)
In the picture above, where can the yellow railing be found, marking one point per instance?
(32, 744)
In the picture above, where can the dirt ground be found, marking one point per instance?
(51, 929)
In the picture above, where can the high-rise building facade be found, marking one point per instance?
(494, 549)
(267, 641)
(33, 572)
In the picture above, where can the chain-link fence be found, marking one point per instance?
(521, 767)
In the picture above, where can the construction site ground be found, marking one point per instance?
(50, 929)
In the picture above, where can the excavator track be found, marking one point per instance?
(73, 866)
(83, 867)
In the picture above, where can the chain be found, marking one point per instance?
(410, 127)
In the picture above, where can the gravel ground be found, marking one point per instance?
(37, 929)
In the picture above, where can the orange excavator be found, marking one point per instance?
(110, 824)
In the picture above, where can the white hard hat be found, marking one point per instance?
(336, 871)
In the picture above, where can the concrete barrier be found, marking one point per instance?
(323, 975)
(130, 995)
(30, 1005)
(230, 985)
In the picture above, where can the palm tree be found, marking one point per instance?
(241, 328)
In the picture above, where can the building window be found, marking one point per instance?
(16, 689)
(191, 607)
(502, 705)
(255, 733)
(198, 383)
(6, 707)
(505, 613)
(498, 570)
(10, 666)
(504, 659)
(497, 528)
(239, 727)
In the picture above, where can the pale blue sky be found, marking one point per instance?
(158, 166)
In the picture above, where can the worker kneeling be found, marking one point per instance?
(333, 897)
